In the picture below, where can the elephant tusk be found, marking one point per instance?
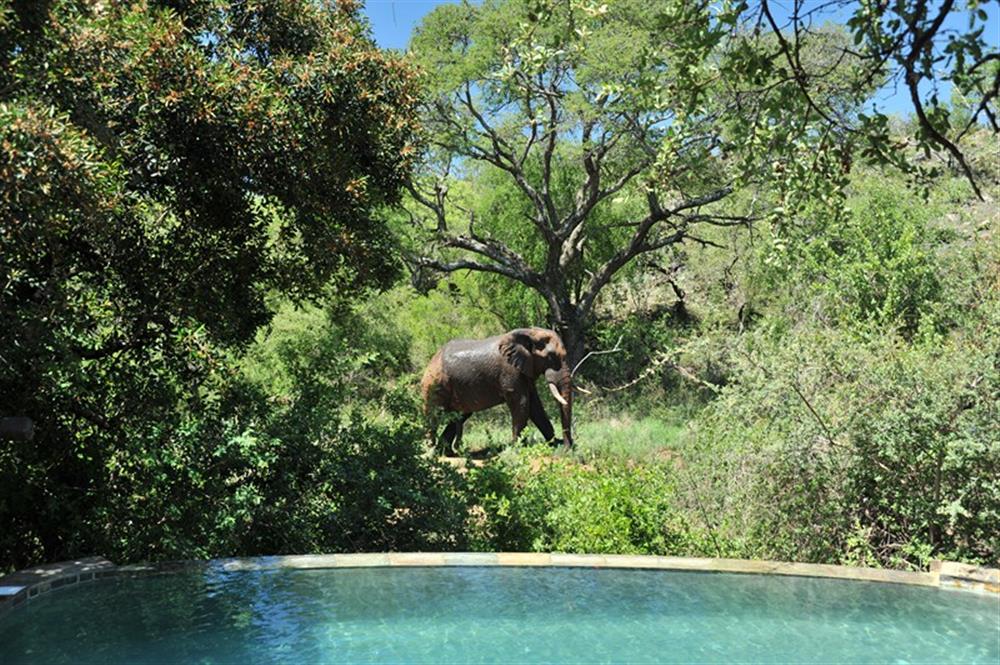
(555, 393)
(583, 390)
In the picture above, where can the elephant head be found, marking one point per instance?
(539, 352)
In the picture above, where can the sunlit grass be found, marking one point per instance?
(624, 436)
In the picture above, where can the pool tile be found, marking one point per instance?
(63, 581)
(579, 560)
(524, 559)
(683, 563)
(470, 559)
(970, 572)
(361, 560)
(632, 561)
(310, 561)
(416, 559)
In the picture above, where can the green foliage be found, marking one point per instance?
(164, 169)
(216, 490)
(529, 501)
(873, 267)
(456, 308)
(311, 355)
(306, 444)
(352, 474)
(885, 274)
(827, 447)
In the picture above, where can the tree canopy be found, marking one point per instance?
(557, 97)
(165, 167)
(696, 110)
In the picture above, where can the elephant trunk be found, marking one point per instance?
(561, 385)
(567, 416)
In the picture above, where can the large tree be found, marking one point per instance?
(581, 106)
(164, 167)
(700, 111)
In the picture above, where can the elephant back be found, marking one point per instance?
(471, 373)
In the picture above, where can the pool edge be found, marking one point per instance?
(24, 585)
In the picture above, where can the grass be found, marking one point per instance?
(629, 437)
(621, 436)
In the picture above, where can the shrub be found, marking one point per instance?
(528, 500)
(876, 452)
(309, 444)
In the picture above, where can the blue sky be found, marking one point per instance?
(393, 21)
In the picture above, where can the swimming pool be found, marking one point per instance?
(497, 615)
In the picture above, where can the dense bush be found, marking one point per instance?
(828, 449)
(352, 474)
(860, 421)
(309, 446)
(527, 500)
(870, 270)
(209, 491)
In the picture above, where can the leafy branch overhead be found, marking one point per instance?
(924, 47)
(183, 163)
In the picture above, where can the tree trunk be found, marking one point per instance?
(570, 327)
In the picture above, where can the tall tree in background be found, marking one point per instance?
(582, 107)
(163, 167)
(704, 112)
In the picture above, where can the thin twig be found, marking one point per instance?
(683, 371)
(598, 353)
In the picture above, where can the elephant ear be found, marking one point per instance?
(515, 348)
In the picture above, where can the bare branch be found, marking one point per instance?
(617, 348)
(503, 157)
(493, 250)
(465, 264)
(640, 243)
(550, 148)
(436, 206)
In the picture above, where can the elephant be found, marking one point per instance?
(470, 375)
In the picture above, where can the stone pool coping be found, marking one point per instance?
(24, 585)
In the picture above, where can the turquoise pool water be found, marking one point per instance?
(497, 615)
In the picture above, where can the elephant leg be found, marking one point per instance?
(448, 438)
(460, 429)
(539, 417)
(452, 437)
(519, 405)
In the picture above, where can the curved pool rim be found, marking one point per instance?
(23, 585)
